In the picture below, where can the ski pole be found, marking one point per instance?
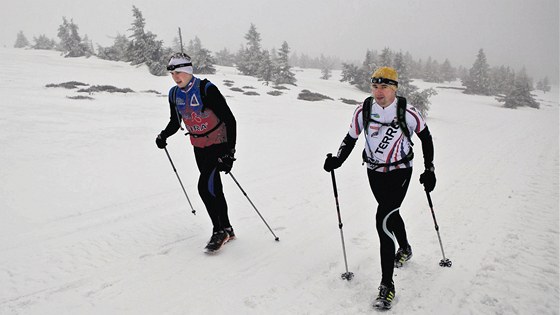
(347, 275)
(444, 262)
(244, 193)
(180, 182)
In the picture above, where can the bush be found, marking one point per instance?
(307, 95)
(274, 93)
(349, 101)
(67, 85)
(236, 89)
(251, 93)
(151, 91)
(80, 97)
(105, 88)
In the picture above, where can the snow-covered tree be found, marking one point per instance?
(266, 67)
(282, 73)
(21, 41)
(202, 59)
(447, 71)
(349, 73)
(145, 48)
(431, 71)
(43, 42)
(478, 80)
(543, 85)
(225, 58)
(117, 52)
(248, 60)
(502, 79)
(520, 95)
(403, 69)
(386, 58)
(420, 99)
(326, 66)
(415, 67)
(71, 44)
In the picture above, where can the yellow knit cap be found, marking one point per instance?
(386, 73)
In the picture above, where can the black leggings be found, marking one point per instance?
(389, 190)
(210, 184)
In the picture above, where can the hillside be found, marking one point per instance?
(93, 220)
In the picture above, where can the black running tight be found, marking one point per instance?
(210, 184)
(389, 190)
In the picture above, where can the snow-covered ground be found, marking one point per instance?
(93, 220)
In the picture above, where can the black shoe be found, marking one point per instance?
(230, 232)
(403, 254)
(385, 296)
(217, 240)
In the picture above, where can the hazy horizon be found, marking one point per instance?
(512, 33)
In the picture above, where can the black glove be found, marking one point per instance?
(225, 163)
(160, 141)
(331, 163)
(428, 178)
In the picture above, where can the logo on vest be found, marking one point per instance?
(194, 101)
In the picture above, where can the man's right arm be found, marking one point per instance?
(174, 122)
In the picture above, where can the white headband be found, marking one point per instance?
(180, 61)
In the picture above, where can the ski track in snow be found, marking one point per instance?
(94, 220)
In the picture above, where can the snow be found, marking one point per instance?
(93, 220)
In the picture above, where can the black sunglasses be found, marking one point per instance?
(173, 67)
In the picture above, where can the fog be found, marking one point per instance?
(514, 33)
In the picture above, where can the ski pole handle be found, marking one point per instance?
(329, 155)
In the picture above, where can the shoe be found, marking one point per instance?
(403, 254)
(230, 232)
(216, 242)
(385, 296)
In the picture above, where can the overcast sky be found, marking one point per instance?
(514, 33)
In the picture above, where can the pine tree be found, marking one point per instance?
(71, 44)
(371, 61)
(21, 41)
(520, 94)
(543, 85)
(117, 52)
(405, 82)
(304, 61)
(447, 72)
(478, 81)
(145, 48)
(431, 71)
(202, 59)
(43, 42)
(87, 44)
(266, 68)
(225, 58)
(326, 67)
(414, 67)
(249, 56)
(420, 100)
(282, 73)
(502, 79)
(386, 58)
(349, 73)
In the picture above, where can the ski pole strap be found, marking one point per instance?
(376, 165)
(200, 135)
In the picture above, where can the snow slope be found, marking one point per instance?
(93, 220)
